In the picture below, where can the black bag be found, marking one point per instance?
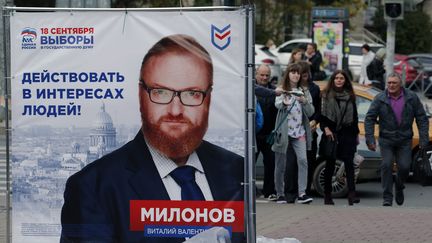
(424, 167)
(271, 137)
(327, 147)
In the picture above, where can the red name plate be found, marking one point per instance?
(186, 213)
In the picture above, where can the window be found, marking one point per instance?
(288, 48)
(362, 107)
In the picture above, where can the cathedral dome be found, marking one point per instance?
(103, 120)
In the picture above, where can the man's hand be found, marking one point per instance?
(372, 147)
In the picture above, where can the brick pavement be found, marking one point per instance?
(319, 223)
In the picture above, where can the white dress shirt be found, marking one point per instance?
(165, 165)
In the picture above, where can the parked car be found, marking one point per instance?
(283, 52)
(407, 67)
(264, 56)
(354, 59)
(370, 168)
(425, 59)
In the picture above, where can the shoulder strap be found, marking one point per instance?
(286, 115)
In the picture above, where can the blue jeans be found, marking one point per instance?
(400, 152)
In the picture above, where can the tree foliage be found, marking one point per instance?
(413, 33)
(276, 18)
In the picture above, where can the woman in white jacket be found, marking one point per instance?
(368, 56)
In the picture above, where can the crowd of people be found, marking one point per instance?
(295, 108)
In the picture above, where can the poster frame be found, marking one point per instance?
(249, 133)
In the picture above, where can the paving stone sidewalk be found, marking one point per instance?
(318, 223)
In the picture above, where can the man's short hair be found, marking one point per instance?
(263, 66)
(180, 44)
(394, 75)
(314, 45)
(366, 47)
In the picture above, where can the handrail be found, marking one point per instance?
(421, 78)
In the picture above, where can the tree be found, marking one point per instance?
(413, 33)
(277, 19)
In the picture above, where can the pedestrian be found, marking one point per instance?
(375, 70)
(266, 94)
(368, 56)
(314, 58)
(296, 56)
(339, 123)
(306, 83)
(394, 111)
(294, 107)
(270, 44)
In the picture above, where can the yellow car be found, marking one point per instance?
(370, 167)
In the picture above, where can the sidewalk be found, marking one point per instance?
(319, 223)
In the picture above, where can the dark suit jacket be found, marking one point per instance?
(96, 207)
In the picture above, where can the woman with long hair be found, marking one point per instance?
(293, 138)
(297, 55)
(339, 123)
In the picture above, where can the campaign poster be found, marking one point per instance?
(329, 39)
(75, 99)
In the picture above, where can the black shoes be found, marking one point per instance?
(399, 197)
(328, 200)
(387, 204)
(304, 199)
(352, 198)
(281, 200)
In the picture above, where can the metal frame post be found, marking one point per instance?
(6, 51)
(390, 49)
(250, 196)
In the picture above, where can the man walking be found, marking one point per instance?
(395, 108)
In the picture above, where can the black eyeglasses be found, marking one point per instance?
(164, 96)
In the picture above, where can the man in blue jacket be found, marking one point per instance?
(394, 110)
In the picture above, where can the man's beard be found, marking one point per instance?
(174, 146)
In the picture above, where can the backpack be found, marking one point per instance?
(369, 70)
(259, 118)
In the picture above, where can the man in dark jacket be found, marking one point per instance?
(314, 58)
(395, 108)
(266, 94)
